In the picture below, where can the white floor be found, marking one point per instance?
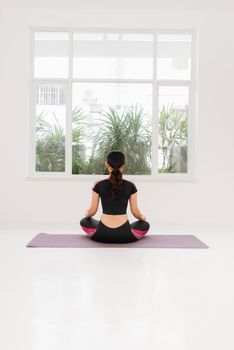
(128, 299)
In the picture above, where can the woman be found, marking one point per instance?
(114, 191)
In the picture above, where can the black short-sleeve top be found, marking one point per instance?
(117, 205)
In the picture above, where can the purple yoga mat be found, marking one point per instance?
(82, 241)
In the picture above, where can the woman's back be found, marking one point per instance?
(114, 209)
(118, 204)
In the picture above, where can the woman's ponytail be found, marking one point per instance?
(116, 160)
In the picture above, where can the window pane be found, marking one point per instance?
(110, 117)
(51, 55)
(50, 127)
(174, 56)
(173, 124)
(113, 55)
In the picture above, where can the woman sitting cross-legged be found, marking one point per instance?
(114, 191)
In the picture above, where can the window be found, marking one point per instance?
(94, 92)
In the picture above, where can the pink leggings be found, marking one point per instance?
(125, 233)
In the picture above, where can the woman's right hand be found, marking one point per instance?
(143, 218)
(87, 214)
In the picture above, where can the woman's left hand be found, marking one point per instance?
(87, 214)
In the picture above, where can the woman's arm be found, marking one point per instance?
(94, 205)
(134, 208)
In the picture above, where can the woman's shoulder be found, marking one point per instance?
(129, 182)
(131, 185)
(100, 182)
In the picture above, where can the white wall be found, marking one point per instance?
(207, 200)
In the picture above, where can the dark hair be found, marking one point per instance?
(116, 159)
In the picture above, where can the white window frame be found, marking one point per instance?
(32, 174)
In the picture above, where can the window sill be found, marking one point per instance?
(88, 178)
